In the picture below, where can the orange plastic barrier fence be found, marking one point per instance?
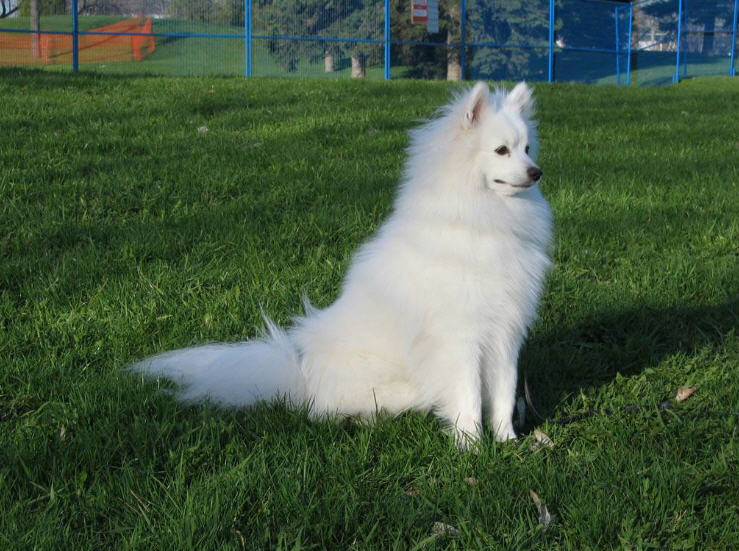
(52, 49)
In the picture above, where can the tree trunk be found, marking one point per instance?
(453, 55)
(358, 66)
(709, 40)
(453, 66)
(35, 8)
(7, 8)
(328, 62)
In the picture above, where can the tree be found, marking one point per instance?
(419, 61)
(47, 7)
(122, 7)
(188, 10)
(705, 18)
(453, 27)
(511, 22)
(8, 8)
(315, 19)
(359, 19)
(285, 18)
(33, 9)
(233, 11)
(428, 61)
(35, 19)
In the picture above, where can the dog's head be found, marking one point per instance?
(504, 137)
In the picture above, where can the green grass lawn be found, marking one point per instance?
(61, 22)
(124, 231)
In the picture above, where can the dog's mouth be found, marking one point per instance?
(519, 186)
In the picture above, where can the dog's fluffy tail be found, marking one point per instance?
(233, 374)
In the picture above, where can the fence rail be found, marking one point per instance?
(643, 42)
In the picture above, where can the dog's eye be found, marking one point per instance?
(527, 150)
(502, 150)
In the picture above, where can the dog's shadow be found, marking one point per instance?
(561, 363)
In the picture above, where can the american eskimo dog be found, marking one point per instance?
(435, 307)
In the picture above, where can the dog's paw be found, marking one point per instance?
(505, 434)
(466, 441)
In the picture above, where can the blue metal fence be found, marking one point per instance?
(643, 41)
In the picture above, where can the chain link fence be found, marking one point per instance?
(595, 41)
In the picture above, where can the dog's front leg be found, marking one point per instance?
(452, 374)
(500, 374)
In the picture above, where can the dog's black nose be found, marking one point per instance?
(534, 173)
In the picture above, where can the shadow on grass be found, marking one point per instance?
(561, 363)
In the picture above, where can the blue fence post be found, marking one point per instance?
(247, 38)
(684, 52)
(550, 61)
(676, 76)
(387, 39)
(75, 38)
(618, 47)
(732, 70)
(628, 58)
(463, 37)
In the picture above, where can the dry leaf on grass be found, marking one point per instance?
(684, 392)
(541, 440)
(442, 529)
(411, 491)
(545, 518)
(471, 481)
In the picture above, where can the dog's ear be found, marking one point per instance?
(475, 104)
(521, 98)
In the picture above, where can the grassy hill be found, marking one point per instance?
(143, 214)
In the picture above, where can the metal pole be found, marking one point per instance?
(684, 54)
(550, 61)
(387, 39)
(618, 48)
(463, 37)
(676, 76)
(75, 38)
(628, 59)
(247, 38)
(732, 70)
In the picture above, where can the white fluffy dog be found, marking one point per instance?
(435, 307)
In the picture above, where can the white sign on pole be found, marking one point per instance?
(432, 25)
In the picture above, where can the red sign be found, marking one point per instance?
(419, 11)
